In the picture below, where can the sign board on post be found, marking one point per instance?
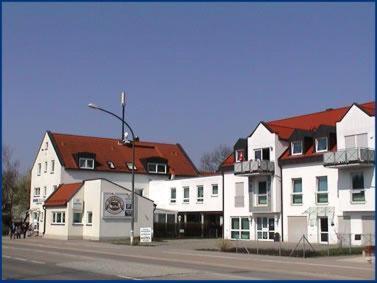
(145, 235)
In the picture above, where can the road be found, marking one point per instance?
(39, 258)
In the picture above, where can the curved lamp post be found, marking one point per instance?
(134, 139)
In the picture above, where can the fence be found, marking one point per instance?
(347, 244)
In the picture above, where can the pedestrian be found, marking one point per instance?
(18, 232)
(12, 230)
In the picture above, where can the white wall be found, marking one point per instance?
(159, 192)
(56, 231)
(309, 173)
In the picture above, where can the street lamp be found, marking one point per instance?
(134, 139)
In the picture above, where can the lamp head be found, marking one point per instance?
(92, 105)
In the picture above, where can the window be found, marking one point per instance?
(240, 228)
(358, 191)
(45, 167)
(58, 217)
(353, 141)
(139, 192)
(44, 191)
(321, 144)
(296, 147)
(186, 194)
(322, 192)
(46, 145)
(159, 168)
(297, 191)
(129, 166)
(52, 166)
(262, 154)
(215, 190)
(261, 196)
(239, 199)
(240, 155)
(89, 219)
(55, 187)
(39, 169)
(86, 163)
(77, 218)
(173, 195)
(111, 164)
(200, 194)
(265, 228)
(37, 192)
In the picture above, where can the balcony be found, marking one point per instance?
(254, 167)
(351, 157)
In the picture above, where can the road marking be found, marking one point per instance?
(23, 259)
(273, 261)
(127, 277)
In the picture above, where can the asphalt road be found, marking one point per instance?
(54, 259)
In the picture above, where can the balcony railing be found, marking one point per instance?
(350, 156)
(254, 167)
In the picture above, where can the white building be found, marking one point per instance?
(94, 210)
(64, 159)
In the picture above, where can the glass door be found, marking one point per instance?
(265, 228)
(324, 229)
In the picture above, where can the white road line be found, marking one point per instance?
(128, 277)
(274, 261)
(23, 259)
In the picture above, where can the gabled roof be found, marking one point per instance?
(106, 149)
(285, 127)
(62, 195)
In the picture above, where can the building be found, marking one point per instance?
(94, 210)
(65, 159)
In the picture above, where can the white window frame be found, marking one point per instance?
(35, 190)
(86, 165)
(316, 144)
(292, 147)
(238, 155)
(357, 190)
(257, 194)
(44, 191)
(355, 140)
(73, 218)
(173, 200)
(265, 229)
(198, 198)
(45, 167)
(296, 193)
(39, 169)
(213, 186)
(156, 165)
(46, 145)
(240, 229)
(55, 218)
(87, 218)
(317, 192)
(186, 199)
(52, 166)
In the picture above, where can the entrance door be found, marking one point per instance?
(265, 228)
(324, 229)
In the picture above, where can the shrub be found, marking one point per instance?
(224, 245)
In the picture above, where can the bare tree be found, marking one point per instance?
(9, 180)
(210, 161)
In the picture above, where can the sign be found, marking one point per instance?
(117, 205)
(77, 204)
(146, 235)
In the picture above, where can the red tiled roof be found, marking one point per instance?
(229, 161)
(107, 149)
(309, 122)
(63, 194)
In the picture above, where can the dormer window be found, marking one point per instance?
(158, 168)
(240, 156)
(86, 163)
(296, 147)
(321, 144)
(129, 166)
(111, 164)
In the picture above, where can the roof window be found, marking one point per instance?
(111, 164)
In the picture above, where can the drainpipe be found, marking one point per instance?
(223, 228)
(44, 220)
(281, 203)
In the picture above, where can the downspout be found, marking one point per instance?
(44, 220)
(223, 228)
(281, 203)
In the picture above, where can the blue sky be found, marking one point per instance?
(199, 74)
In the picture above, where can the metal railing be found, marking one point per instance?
(349, 156)
(254, 167)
